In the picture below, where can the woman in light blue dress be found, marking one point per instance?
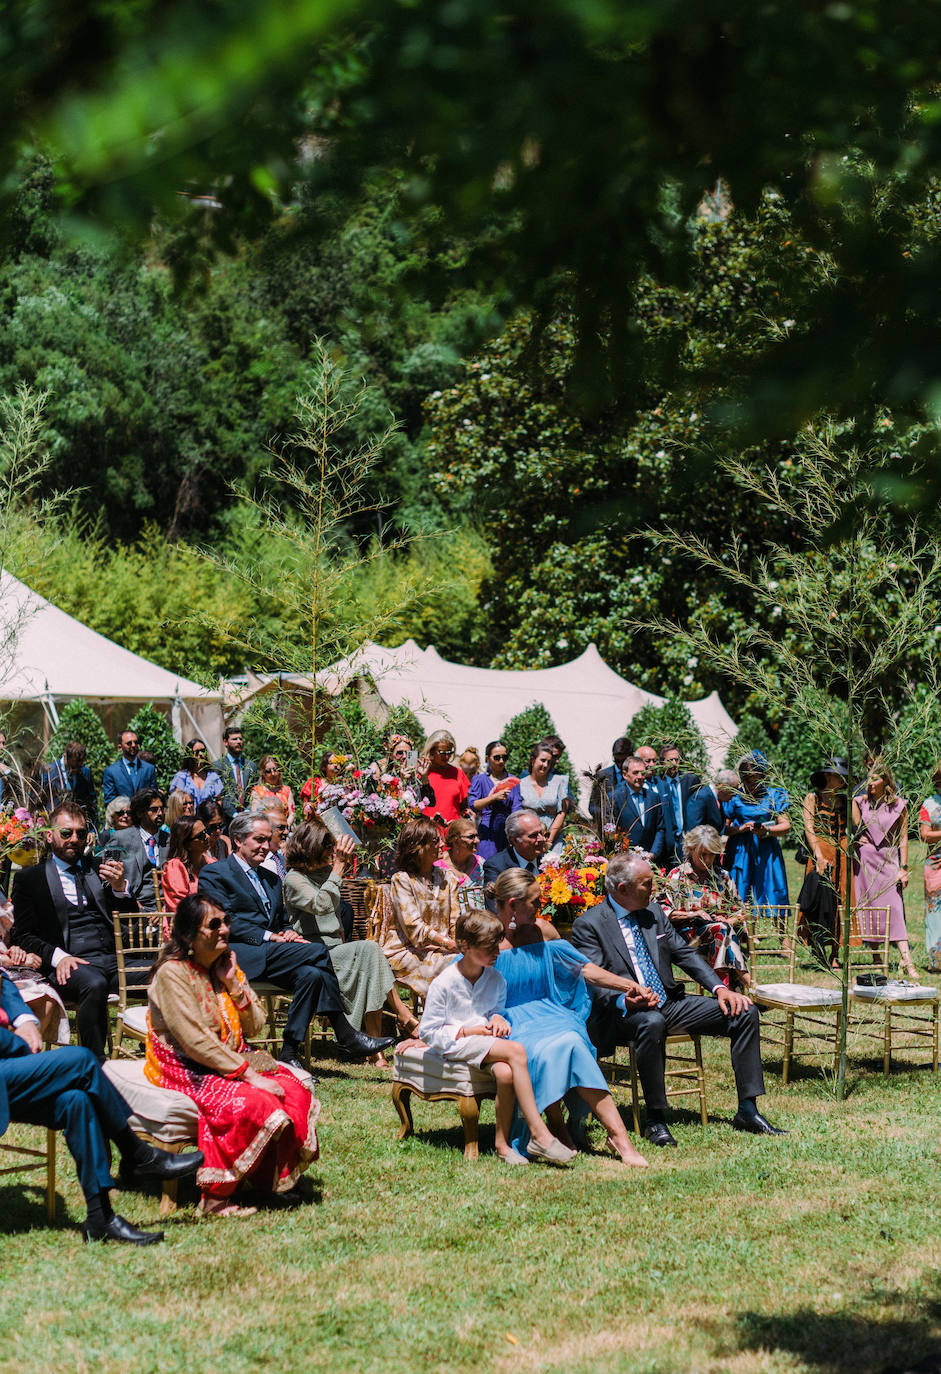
(547, 1004)
(757, 818)
(545, 792)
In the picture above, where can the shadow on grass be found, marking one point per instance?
(849, 1342)
(24, 1209)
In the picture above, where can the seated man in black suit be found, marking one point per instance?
(526, 844)
(267, 948)
(629, 935)
(141, 848)
(638, 810)
(62, 911)
(705, 805)
(601, 801)
(67, 1091)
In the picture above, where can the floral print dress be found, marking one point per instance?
(712, 923)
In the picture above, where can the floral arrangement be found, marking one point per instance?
(574, 877)
(388, 805)
(19, 833)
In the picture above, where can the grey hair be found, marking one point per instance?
(622, 868)
(242, 826)
(702, 837)
(514, 820)
(270, 804)
(116, 804)
(727, 777)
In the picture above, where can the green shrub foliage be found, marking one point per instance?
(670, 723)
(79, 721)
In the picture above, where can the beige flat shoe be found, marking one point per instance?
(553, 1153)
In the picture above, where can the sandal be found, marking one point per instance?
(220, 1207)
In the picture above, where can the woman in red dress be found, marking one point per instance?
(257, 1121)
(449, 784)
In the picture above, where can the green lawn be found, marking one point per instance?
(818, 1250)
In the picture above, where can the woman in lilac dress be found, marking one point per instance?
(489, 800)
(880, 862)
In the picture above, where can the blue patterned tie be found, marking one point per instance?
(647, 973)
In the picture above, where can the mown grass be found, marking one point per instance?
(814, 1251)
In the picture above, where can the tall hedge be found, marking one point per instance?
(526, 729)
(671, 723)
(79, 721)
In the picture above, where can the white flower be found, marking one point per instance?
(562, 643)
(788, 324)
(660, 453)
(688, 680)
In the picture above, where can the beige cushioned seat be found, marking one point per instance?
(167, 1115)
(795, 995)
(892, 992)
(427, 1072)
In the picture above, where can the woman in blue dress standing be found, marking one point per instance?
(757, 818)
(489, 799)
(547, 1003)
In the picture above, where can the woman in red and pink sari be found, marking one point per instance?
(257, 1121)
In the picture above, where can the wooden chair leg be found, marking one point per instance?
(470, 1117)
(402, 1097)
(887, 1042)
(168, 1197)
(635, 1095)
(934, 1038)
(51, 1177)
(701, 1080)
(788, 1046)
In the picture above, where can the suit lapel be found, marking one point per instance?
(613, 941)
(248, 886)
(57, 898)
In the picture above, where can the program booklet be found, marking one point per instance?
(335, 821)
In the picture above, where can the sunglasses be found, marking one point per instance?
(198, 835)
(214, 829)
(67, 831)
(124, 811)
(216, 923)
(498, 758)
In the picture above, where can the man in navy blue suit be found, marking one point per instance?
(128, 774)
(705, 805)
(67, 1091)
(600, 804)
(70, 776)
(675, 791)
(638, 811)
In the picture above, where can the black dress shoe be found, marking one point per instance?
(116, 1228)
(291, 1061)
(658, 1134)
(755, 1125)
(356, 1044)
(158, 1164)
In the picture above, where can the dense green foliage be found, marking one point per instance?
(524, 731)
(673, 724)
(79, 721)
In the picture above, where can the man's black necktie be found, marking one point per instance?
(81, 893)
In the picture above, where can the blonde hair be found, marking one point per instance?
(880, 769)
(455, 831)
(512, 883)
(702, 837)
(439, 737)
(175, 804)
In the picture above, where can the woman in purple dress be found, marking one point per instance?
(489, 800)
(880, 864)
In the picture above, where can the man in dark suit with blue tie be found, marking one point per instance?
(675, 791)
(267, 948)
(638, 810)
(601, 801)
(705, 805)
(630, 935)
(66, 1090)
(128, 774)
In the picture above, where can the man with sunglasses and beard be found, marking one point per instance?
(62, 911)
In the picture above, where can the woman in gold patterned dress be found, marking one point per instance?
(417, 926)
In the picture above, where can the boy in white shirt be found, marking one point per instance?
(462, 1020)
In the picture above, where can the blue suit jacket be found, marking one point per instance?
(117, 781)
(11, 1046)
(689, 782)
(649, 833)
(703, 808)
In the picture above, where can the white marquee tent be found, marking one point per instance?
(589, 702)
(48, 658)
